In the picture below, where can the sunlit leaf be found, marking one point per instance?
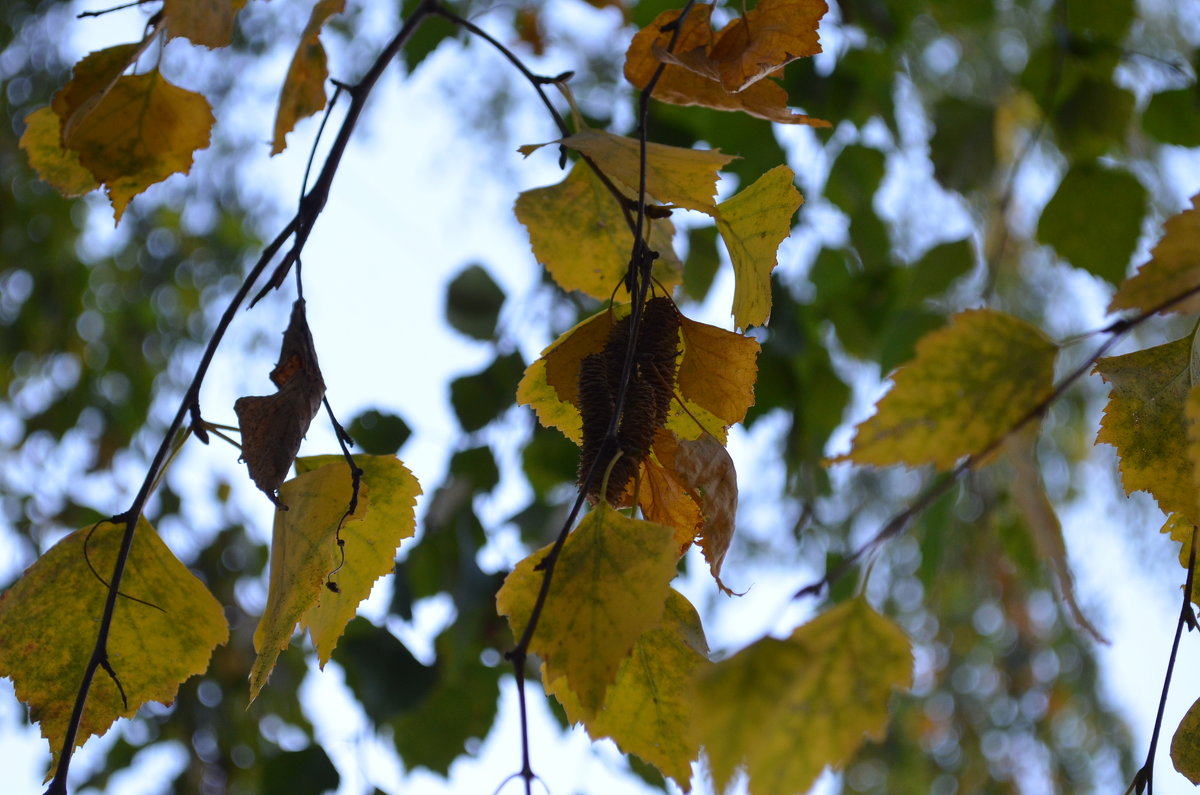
(649, 710)
(580, 234)
(164, 629)
(609, 586)
(304, 553)
(753, 223)
(968, 386)
(303, 92)
(765, 99)
(674, 175)
(1173, 269)
(369, 545)
(205, 22)
(142, 131)
(1146, 422)
(787, 709)
(718, 370)
(42, 142)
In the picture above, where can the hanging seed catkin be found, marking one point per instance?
(647, 399)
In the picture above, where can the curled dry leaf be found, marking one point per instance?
(704, 466)
(273, 425)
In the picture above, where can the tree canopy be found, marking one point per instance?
(933, 262)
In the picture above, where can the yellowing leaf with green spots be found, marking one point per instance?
(305, 556)
(42, 142)
(205, 22)
(91, 79)
(580, 234)
(610, 584)
(1185, 745)
(649, 709)
(753, 223)
(1145, 420)
(718, 370)
(968, 386)
(164, 630)
(370, 544)
(674, 175)
(142, 131)
(786, 709)
(1173, 269)
(303, 92)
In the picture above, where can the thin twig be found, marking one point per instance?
(1144, 778)
(297, 228)
(103, 11)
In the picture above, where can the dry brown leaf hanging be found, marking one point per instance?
(273, 425)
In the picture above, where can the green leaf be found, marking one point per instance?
(378, 432)
(1173, 117)
(968, 386)
(579, 233)
(753, 223)
(1185, 745)
(473, 302)
(308, 770)
(164, 630)
(610, 584)
(854, 178)
(649, 710)
(789, 708)
(480, 398)
(381, 671)
(306, 557)
(963, 147)
(702, 262)
(941, 266)
(1093, 119)
(1094, 220)
(1172, 270)
(1145, 421)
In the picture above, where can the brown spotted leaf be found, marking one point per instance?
(208, 23)
(274, 425)
(705, 467)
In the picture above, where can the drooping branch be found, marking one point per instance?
(298, 230)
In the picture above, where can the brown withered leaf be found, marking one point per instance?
(704, 467)
(273, 425)
(771, 35)
(694, 75)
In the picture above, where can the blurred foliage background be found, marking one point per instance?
(1018, 153)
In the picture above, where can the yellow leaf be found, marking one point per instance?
(674, 175)
(205, 22)
(771, 35)
(303, 92)
(161, 636)
(91, 80)
(649, 709)
(304, 553)
(42, 142)
(1173, 268)
(968, 386)
(718, 370)
(579, 233)
(1185, 745)
(764, 99)
(663, 498)
(787, 709)
(1145, 420)
(1029, 493)
(705, 467)
(753, 223)
(142, 131)
(609, 586)
(370, 544)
